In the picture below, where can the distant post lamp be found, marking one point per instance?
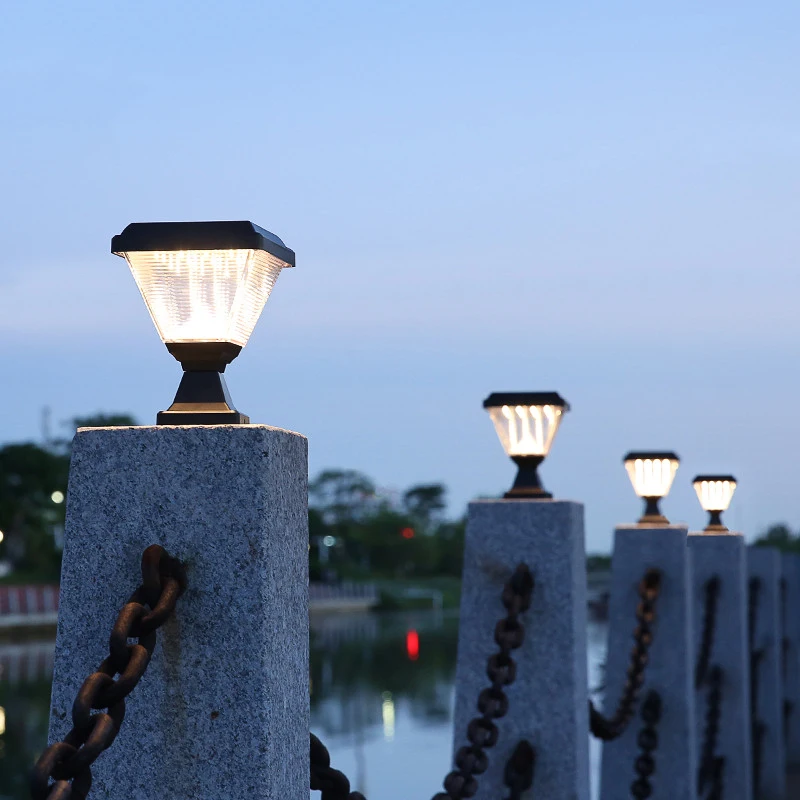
(205, 285)
(526, 423)
(715, 493)
(651, 474)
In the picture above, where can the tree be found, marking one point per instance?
(29, 514)
(102, 420)
(425, 504)
(779, 536)
(33, 487)
(341, 495)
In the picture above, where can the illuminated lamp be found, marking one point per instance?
(651, 474)
(205, 285)
(526, 424)
(715, 493)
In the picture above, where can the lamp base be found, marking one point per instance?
(202, 399)
(652, 513)
(527, 485)
(715, 522)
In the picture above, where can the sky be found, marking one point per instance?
(596, 198)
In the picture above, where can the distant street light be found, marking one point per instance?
(651, 474)
(57, 497)
(715, 493)
(526, 423)
(205, 285)
(329, 541)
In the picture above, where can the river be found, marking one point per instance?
(381, 700)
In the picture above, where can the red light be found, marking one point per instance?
(412, 645)
(407, 533)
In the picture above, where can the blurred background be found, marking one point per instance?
(594, 198)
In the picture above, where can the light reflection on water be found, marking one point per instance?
(409, 757)
(381, 700)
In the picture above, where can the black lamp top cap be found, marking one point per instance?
(233, 235)
(701, 478)
(653, 455)
(497, 399)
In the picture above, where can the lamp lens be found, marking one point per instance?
(651, 477)
(715, 495)
(205, 295)
(526, 430)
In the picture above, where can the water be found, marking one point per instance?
(384, 714)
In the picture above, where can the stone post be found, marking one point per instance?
(223, 708)
(766, 688)
(548, 700)
(670, 668)
(791, 632)
(722, 556)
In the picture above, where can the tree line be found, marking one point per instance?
(355, 530)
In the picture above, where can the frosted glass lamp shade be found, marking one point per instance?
(205, 285)
(203, 281)
(715, 493)
(652, 474)
(526, 424)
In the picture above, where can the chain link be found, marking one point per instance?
(645, 764)
(68, 763)
(787, 649)
(518, 774)
(756, 726)
(711, 767)
(471, 760)
(333, 784)
(712, 589)
(509, 634)
(710, 773)
(610, 728)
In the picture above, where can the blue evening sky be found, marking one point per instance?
(599, 198)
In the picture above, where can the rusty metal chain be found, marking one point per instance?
(710, 771)
(610, 728)
(68, 763)
(712, 589)
(333, 784)
(518, 774)
(482, 733)
(756, 726)
(787, 649)
(711, 767)
(509, 634)
(645, 764)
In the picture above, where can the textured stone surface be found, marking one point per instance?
(670, 670)
(724, 555)
(548, 701)
(791, 630)
(222, 711)
(764, 563)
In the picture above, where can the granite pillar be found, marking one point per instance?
(670, 668)
(791, 633)
(223, 708)
(722, 557)
(766, 688)
(548, 700)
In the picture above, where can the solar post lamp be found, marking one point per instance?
(526, 424)
(227, 499)
(652, 474)
(722, 641)
(205, 285)
(651, 579)
(505, 540)
(715, 493)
